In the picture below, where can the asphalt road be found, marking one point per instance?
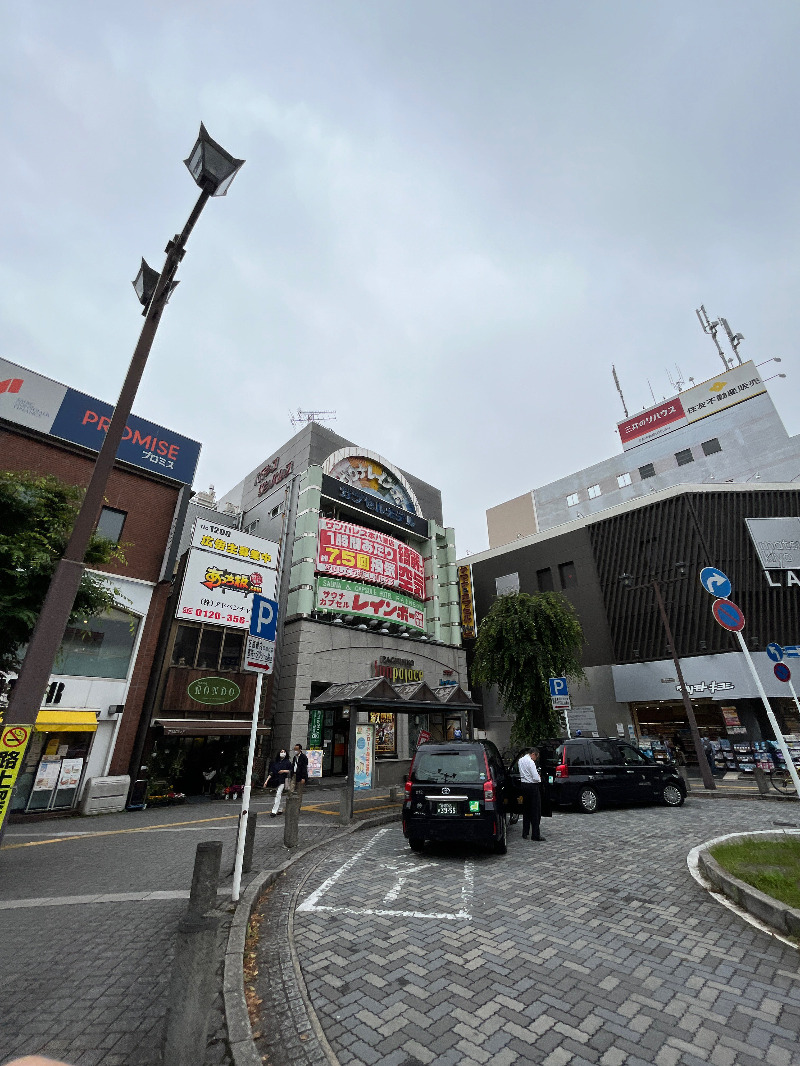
(595, 947)
(83, 972)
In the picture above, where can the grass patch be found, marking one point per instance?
(771, 866)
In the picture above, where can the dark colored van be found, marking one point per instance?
(454, 791)
(592, 772)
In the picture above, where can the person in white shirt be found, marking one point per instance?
(531, 782)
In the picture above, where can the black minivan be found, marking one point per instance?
(455, 791)
(592, 772)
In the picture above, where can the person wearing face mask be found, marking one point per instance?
(279, 770)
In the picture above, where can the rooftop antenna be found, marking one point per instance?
(678, 381)
(711, 329)
(302, 418)
(735, 338)
(650, 387)
(619, 390)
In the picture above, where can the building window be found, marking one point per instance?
(623, 480)
(276, 511)
(572, 499)
(507, 585)
(646, 471)
(98, 647)
(711, 447)
(110, 523)
(252, 527)
(594, 492)
(685, 457)
(544, 580)
(566, 572)
(208, 647)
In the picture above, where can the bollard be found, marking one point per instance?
(345, 806)
(191, 989)
(393, 794)
(249, 841)
(761, 780)
(292, 820)
(205, 878)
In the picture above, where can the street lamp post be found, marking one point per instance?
(213, 169)
(655, 585)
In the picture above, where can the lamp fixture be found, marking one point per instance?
(211, 166)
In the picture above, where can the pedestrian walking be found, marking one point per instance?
(531, 783)
(299, 770)
(278, 776)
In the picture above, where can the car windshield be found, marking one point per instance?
(440, 768)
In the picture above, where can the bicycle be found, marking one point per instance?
(781, 779)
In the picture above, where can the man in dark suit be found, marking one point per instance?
(299, 770)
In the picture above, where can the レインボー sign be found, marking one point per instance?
(346, 550)
(351, 597)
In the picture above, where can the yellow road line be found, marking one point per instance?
(165, 825)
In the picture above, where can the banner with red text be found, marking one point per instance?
(352, 597)
(347, 550)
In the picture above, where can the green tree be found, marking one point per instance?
(523, 641)
(37, 513)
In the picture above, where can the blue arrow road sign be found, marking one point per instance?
(558, 686)
(715, 582)
(264, 618)
(775, 652)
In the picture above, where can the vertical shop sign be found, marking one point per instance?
(315, 722)
(365, 757)
(13, 743)
(385, 732)
(465, 600)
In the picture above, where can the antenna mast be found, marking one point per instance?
(711, 329)
(302, 418)
(735, 338)
(619, 390)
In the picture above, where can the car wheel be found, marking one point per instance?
(588, 800)
(416, 843)
(672, 796)
(501, 844)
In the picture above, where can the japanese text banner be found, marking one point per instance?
(220, 591)
(352, 597)
(347, 550)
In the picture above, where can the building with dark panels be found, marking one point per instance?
(91, 711)
(750, 532)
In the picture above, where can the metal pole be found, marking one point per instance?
(26, 697)
(794, 695)
(240, 840)
(773, 721)
(705, 769)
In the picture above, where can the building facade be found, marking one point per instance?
(750, 532)
(724, 431)
(91, 711)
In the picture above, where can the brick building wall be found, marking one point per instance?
(149, 504)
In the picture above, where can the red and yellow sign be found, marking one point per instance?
(465, 600)
(346, 550)
(13, 742)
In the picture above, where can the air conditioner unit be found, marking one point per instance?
(114, 709)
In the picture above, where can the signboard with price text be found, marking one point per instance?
(220, 590)
(350, 551)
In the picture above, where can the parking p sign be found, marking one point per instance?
(558, 686)
(260, 652)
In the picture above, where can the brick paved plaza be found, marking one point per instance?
(595, 947)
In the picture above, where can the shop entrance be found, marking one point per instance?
(195, 766)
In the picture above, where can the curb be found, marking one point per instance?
(768, 914)
(237, 1017)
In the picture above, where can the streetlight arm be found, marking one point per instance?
(27, 694)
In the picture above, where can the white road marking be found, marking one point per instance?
(311, 903)
(102, 897)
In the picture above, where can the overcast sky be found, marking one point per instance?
(454, 217)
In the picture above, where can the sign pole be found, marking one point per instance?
(794, 696)
(237, 866)
(773, 721)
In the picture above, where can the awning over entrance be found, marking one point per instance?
(207, 727)
(412, 698)
(62, 721)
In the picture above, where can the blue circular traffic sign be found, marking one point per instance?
(775, 652)
(782, 672)
(715, 582)
(728, 615)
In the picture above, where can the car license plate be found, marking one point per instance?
(447, 808)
